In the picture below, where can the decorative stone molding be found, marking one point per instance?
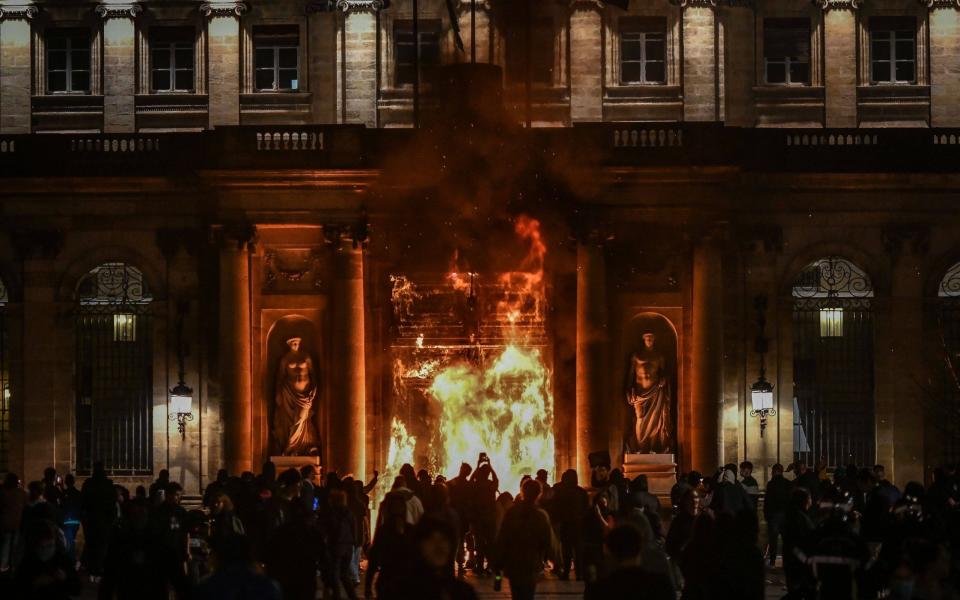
(695, 3)
(935, 4)
(359, 5)
(128, 10)
(336, 234)
(307, 271)
(828, 5)
(18, 11)
(224, 8)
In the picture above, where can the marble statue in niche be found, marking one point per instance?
(294, 425)
(649, 394)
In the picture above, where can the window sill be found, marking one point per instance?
(894, 104)
(270, 108)
(781, 105)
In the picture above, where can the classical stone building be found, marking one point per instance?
(769, 185)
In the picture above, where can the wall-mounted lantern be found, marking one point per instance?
(761, 392)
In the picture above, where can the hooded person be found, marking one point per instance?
(431, 574)
(525, 542)
(569, 505)
(729, 496)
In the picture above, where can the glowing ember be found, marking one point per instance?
(483, 389)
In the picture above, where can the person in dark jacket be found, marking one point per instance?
(641, 498)
(339, 536)
(391, 556)
(432, 575)
(681, 528)
(234, 576)
(293, 546)
(99, 502)
(798, 540)
(740, 570)
(171, 541)
(729, 496)
(525, 542)
(46, 571)
(129, 571)
(775, 503)
(568, 507)
(628, 579)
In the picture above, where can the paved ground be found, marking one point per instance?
(549, 589)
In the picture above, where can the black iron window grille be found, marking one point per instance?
(833, 364)
(945, 418)
(114, 371)
(5, 392)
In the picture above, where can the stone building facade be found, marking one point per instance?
(189, 182)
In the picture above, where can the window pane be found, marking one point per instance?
(57, 60)
(161, 58)
(905, 71)
(430, 51)
(184, 58)
(185, 79)
(264, 58)
(56, 42)
(630, 72)
(631, 49)
(80, 59)
(405, 74)
(161, 80)
(654, 49)
(656, 73)
(81, 81)
(799, 72)
(57, 81)
(905, 50)
(287, 76)
(881, 49)
(265, 79)
(881, 71)
(776, 72)
(288, 58)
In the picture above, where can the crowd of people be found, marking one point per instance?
(847, 535)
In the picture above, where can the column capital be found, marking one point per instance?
(828, 5)
(125, 10)
(23, 10)
(349, 6)
(586, 5)
(936, 4)
(336, 234)
(695, 3)
(224, 8)
(242, 236)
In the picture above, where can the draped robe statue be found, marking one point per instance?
(293, 417)
(650, 396)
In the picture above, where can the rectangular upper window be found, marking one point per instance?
(643, 50)
(405, 50)
(535, 58)
(276, 55)
(172, 59)
(893, 50)
(786, 51)
(68, 61)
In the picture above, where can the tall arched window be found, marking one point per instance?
(833, 364)
(945, 418)
(114, 361)
(4, 381)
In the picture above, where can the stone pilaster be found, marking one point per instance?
(235, 354)
(739, 53)
(701, 73)
(359, 61)
(322, 28)
(593, 412)
(840, 73)
(347, 422)
(223, 47)
(119, 65)
(586, 61)
(944, 43)
(707, 356)
(15, 67)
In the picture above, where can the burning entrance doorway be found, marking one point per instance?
(470, 373)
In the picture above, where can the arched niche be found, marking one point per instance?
(667, 343)
(283, 329)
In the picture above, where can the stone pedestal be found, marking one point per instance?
(282, 463)
(660, 469)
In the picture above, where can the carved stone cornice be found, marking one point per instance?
(12, 12)
(128, 10)
(828, 5)
(935, 4)
(224, 8)
(359, 5)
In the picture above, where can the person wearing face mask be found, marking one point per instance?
(46, 571)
